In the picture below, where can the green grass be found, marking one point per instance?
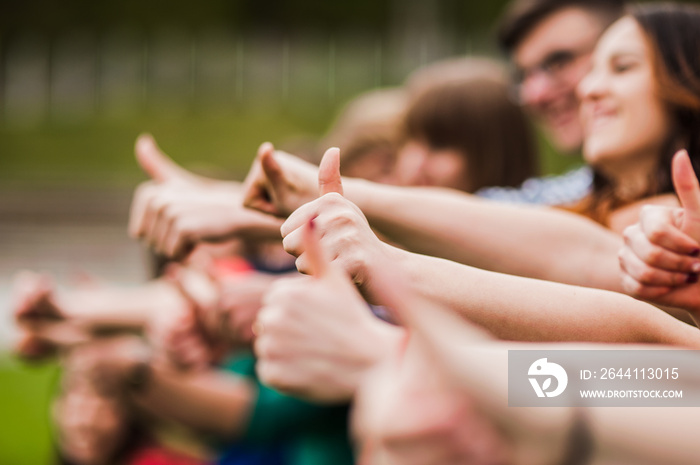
(100, 151)
(25, 437)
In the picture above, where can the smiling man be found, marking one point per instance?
(549, 43)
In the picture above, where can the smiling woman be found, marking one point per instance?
(640, 104)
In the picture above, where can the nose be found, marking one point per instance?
(410, 163)
(591, 87)
(536, 89)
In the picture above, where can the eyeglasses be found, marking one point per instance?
(558, 67)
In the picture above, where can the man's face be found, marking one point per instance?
(551, 60)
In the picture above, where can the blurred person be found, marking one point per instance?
(549, 43)
(367, 129)
(632, 169)
(453, 133)
(187, 342)
(632, 132)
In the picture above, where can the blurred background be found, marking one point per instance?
(211, 80)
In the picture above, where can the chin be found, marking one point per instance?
(567, 140)
(597, 154)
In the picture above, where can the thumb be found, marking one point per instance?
(329, 179)
(315, 254)
(157, 165)
(272, 169)
(687, 188)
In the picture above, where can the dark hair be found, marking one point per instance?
(475, 116)
(673, 34)
(522, 16)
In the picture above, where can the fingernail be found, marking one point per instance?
(694, 253)
(692, 278)
(695, 267)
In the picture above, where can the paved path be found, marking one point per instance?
(67, 234)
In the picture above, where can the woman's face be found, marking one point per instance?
(623, 117)
(419, 164)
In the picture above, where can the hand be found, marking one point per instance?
(344, 231)
(41, 318)
(316, 337)
(241, 299)
(441, 397)
(278, 183)
(177, 209)
(409, 410)
(190, 336)
(659, 260)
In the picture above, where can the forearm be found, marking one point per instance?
(644, 436)
(211, 401)
(517, 308)
(536, 242)
(118, 307)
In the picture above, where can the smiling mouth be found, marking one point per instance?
(600, 120)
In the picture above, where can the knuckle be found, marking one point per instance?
(657, 234)
(654, 255)
(647, 275)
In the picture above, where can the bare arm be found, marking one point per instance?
(210, 401)
(537, 242)
(511, 307)
(519, 308)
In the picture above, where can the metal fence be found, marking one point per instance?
(122, 73)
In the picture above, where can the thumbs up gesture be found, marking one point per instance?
(343, 230)
(177, 209)
(441, 395)
(278, 183)
(315, 336)
(660, 258)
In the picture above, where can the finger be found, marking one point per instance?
(642, 291)
(299, 218)
(688, 190)
(661, 225)
(638, 244)
(174, 242)
(139, 208)
(686, 182)
(159, 227)
(164, 234)
(329, 179)
(648, 275)
(157, 165)
(315, 255)
(155, 213)
(265, 177)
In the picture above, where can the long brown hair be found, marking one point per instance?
(673, 33)
(473, 114)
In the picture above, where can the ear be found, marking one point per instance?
(329, 179)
